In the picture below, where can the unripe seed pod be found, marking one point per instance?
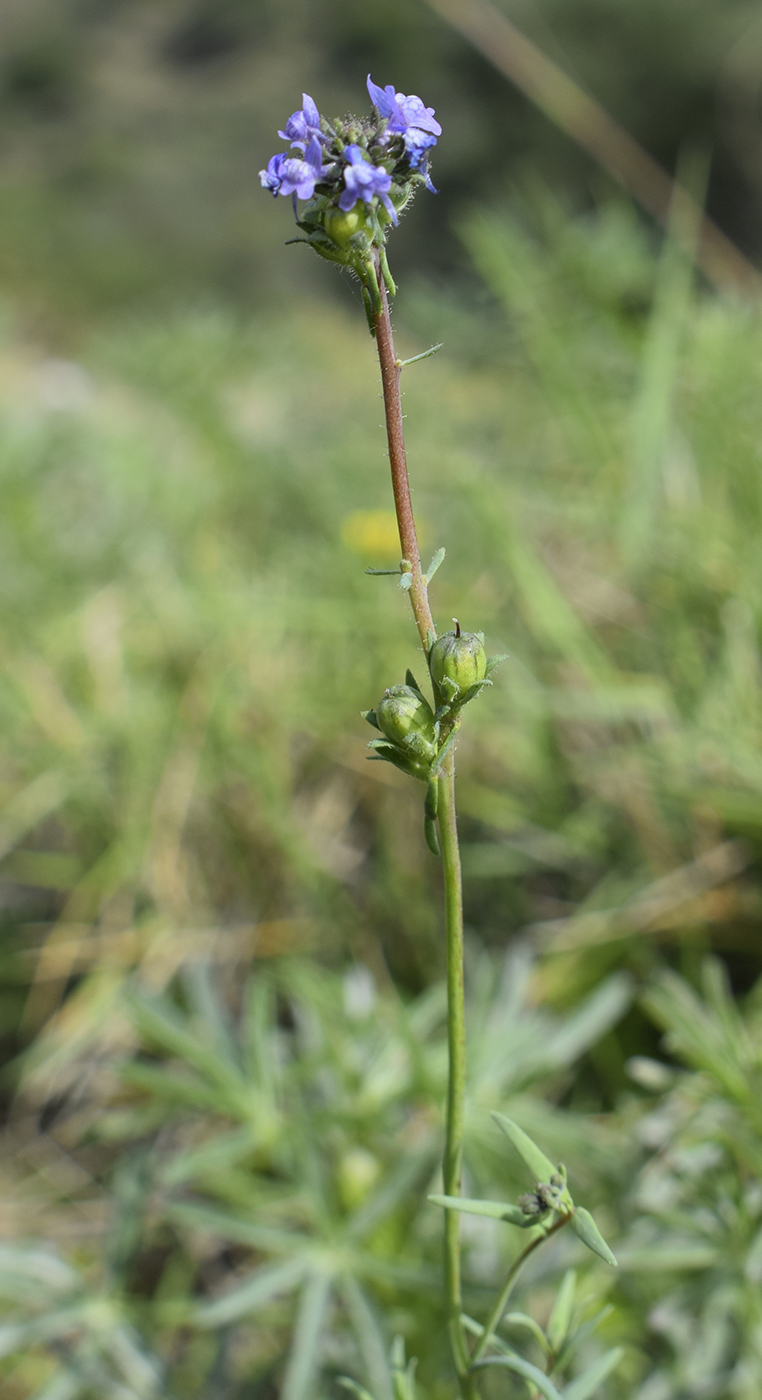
(458, 657)
(403, 715)
(341, 226)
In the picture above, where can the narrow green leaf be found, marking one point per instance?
(476, 1329)
(579, 1335)
(525, 1369)
(431, 804)
(430, 833)
(252, 1293)
(214, 1156)
(520, 1319)
(424, 355)
(585, 1227)
(209, 1015)
(540, 1166)
(584, 1385)
(370, 716)
(495, 1210)
(358, 1390)
(304, 1357)
(231, 1227)
(370, 1339)
(560, 1317)
(434, 565)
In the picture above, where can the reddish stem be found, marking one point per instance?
(390, 379)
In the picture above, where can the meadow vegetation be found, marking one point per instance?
(221, 951)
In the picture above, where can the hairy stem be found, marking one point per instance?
(456, 1035)
(390, 379)
(496, 1315)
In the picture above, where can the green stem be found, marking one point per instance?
(456, 1045)
(456, 1033)
(496, 1315)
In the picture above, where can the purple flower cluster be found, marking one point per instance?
(290, 175)
(303, 126)
(407, 117)
(362, 180)
(370, 160)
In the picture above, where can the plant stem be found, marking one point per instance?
(496, 1315)
(456, 1045)
(390, 380)
(456, 1033)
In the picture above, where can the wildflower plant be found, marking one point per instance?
(357, 176)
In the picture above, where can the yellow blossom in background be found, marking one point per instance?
(371, 533)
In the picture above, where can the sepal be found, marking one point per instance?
(496, 660)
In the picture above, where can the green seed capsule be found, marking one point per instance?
(405, 718)
(342, 226)
(458, 658)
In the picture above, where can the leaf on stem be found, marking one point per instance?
(434, 565)
(588, 1382)
(358, 1390)
(523, 1368)
(586, 1229)
(560, 1317)
(495, 1210)
(425, 354)
(541, 1166)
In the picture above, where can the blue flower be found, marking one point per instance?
(289, 175)
(302, 126)
(363, 181)
(269, 179)
(406, 116)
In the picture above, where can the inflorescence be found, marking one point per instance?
(357, 174)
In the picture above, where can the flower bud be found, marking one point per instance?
(458, 659)
(403, 715)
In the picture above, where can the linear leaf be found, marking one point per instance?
(560, 1317)
(253, 1292)
(370, 1339)
(231, 1227)
(584, 1385)
(519, 1319)
(525, 1369)
(586, 1229)
(541, 1166)
(495, 1210)
(354, 1388)
(304, 1357)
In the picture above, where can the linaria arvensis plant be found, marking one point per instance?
(357, 175)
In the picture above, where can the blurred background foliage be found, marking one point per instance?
(193, 482)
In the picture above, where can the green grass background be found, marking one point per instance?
(193, 481)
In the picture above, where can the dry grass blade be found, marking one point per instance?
(589, 124)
